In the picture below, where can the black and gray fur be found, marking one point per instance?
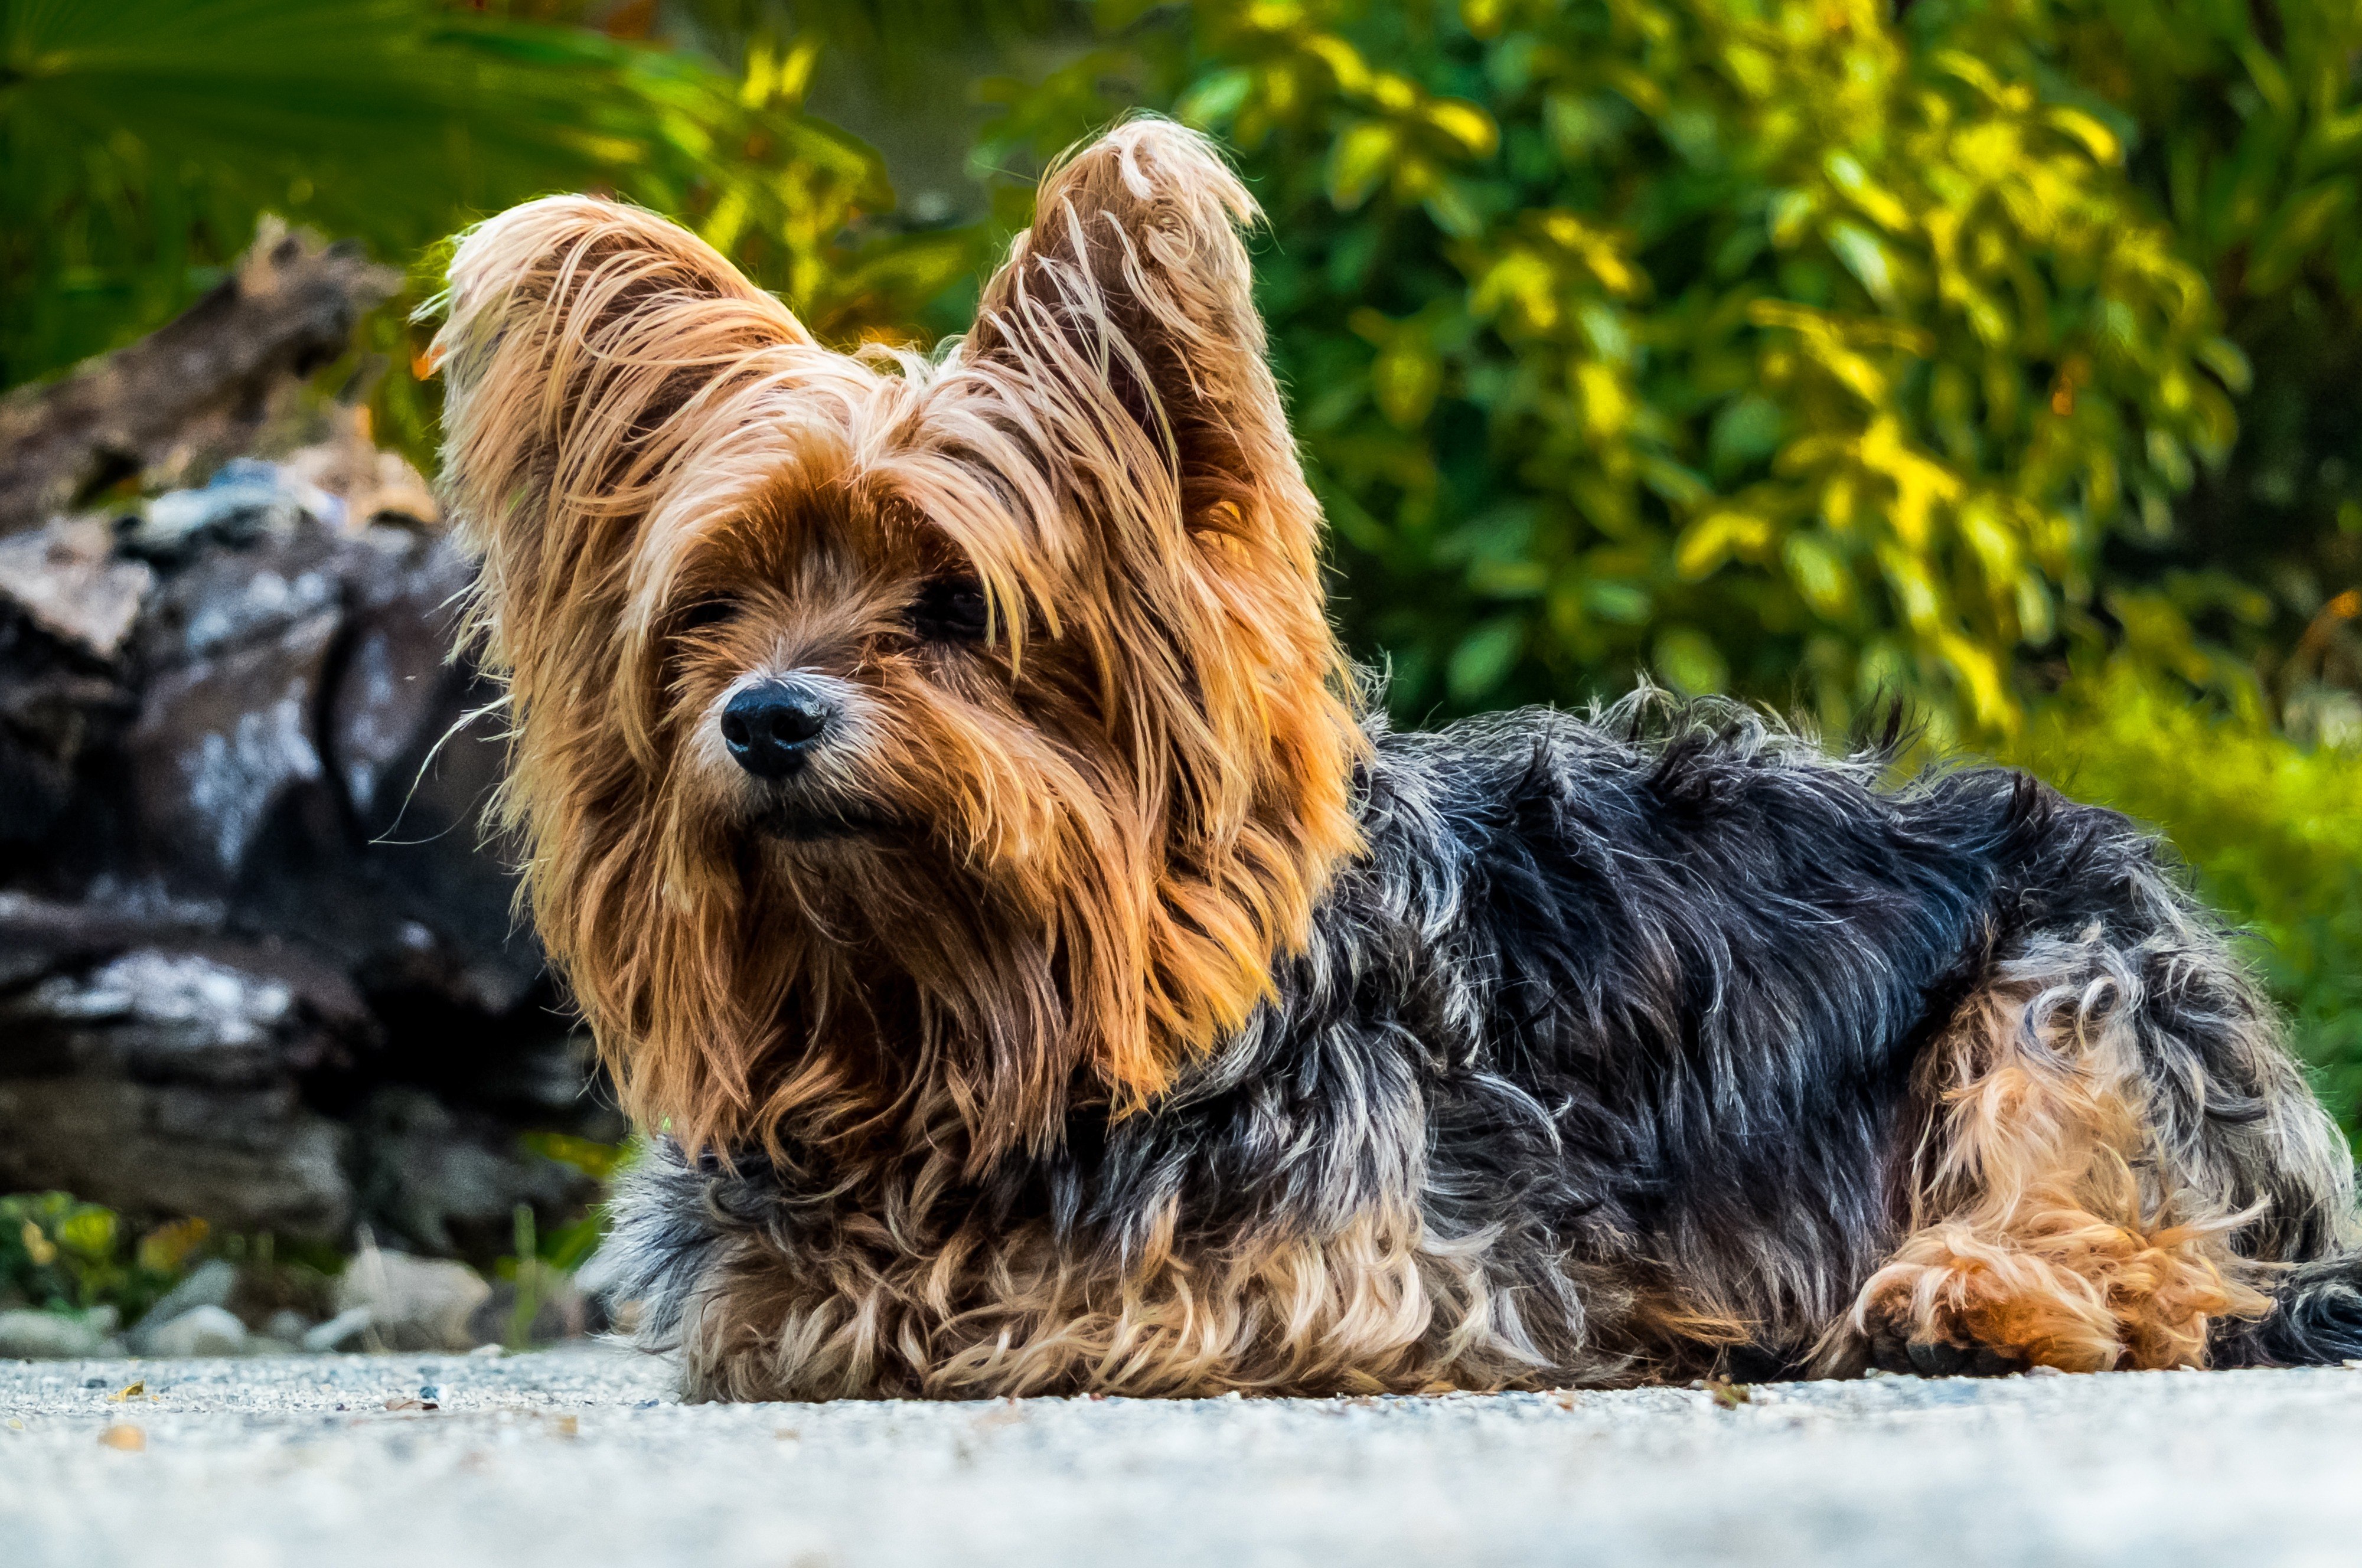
(1629, 1008)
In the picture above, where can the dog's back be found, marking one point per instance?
(1949, 1075)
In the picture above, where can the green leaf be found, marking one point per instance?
(1359, 161)
(1484, 657)
(1216, 100)
(1687, 660)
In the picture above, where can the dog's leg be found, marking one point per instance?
(2072, 1202)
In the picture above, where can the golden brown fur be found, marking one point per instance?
(2048, 1222)
(632, 425)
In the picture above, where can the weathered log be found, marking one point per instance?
(201, 384)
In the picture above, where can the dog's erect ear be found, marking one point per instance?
(581, 335)
(1120, 347)
(1131, 300)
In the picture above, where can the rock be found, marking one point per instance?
(200, 1330)
(560, 1311)
(46, 1336)
(246, 1159)
(174, 1016)
(339, 1331)
(220, 742)
(243, 890)
(447, 1181)
(60, 709)
(288, 1326)
(414, 1304)
(245, 499)
(396, 684)
(223, 600)
(375, 486)
(68, 581)
(243, 886)
(210, 1284)
(202, 383)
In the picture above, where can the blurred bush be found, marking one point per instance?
(66, 1255)
(2243, 129)
(140, 140)
(1744, 344)
(2272, 828)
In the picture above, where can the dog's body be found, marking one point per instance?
(947, 800)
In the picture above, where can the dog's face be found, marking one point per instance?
(944, 737)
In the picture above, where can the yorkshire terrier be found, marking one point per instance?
(1041, 972)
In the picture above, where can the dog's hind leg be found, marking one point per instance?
(2115, 1152)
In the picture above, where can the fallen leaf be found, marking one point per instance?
(131, 1391)
(129, 1438)
(1727, 1394)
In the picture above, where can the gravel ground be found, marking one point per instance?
(583, 1457)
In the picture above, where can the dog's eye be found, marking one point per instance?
(949, 609)
(704, 613)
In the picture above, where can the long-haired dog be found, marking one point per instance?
(942, 792)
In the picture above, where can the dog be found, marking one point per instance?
(1041, 970)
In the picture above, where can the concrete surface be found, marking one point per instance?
(582, 1457)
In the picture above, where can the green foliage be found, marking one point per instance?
(2273, 830)
(66, 1255)
(140, 140)
(2244, 128)
(564, 1248)
(1741, 342)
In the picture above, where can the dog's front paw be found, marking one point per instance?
(1938, 1341)
(1892, 1352)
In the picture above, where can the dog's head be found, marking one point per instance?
(956, 734)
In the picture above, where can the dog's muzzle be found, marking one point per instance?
(773, 729)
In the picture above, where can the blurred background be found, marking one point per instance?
(1997, 355)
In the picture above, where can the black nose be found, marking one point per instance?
(773, 729)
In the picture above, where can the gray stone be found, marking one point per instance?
(395, 694)
(162, 1015)
(245, 499)
(242, 872)
(46, 1336)
(200, 1330)
(446, 1181)
(210, 1284)
(245, 1159)
(344, 1328)
(412, 1303)
(69, 583)
(221, 741)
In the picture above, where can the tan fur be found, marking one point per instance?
(987, 1311)
(2048, 1221)
(1129, 802)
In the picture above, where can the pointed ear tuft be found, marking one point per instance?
(1120, 349)
(1133, 291)
(579, 334)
